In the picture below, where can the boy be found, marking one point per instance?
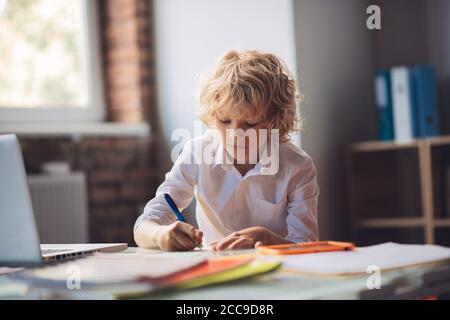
(249, 102)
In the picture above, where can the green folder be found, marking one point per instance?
(253, 268)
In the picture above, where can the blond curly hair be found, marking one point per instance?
(252, 84)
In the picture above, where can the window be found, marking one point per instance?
(49, 61)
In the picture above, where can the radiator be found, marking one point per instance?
(60, 207)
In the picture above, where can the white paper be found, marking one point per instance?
(6, 270)
(385, 256)
(116, 267)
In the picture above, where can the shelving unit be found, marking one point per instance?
(400, 185)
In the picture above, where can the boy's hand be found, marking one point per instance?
(178, 236)
(244, 239)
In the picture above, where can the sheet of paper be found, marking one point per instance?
(116, 267)
(385, 256)
(6, 270)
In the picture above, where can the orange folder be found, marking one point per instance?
(305, 247)
(209, 267)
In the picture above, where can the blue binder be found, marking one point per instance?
(425, 98)
(383, 101)
(412, 82)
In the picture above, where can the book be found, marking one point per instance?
(402, 104)
(212, 267)
(383, 102)
(425, 101)
(218, 270)
(253, 268)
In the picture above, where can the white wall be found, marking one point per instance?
(191, 35)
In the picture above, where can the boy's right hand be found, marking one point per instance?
(179, 236)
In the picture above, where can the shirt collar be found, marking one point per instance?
(224, 159)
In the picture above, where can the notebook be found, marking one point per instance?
(251, 269)
(211, 267)
(201, 275)
(112, 268)
(386, 256)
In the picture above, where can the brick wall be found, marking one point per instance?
(120, 171)
(128, 58)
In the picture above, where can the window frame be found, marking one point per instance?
(95, 111)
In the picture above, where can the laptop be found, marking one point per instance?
(19, 239)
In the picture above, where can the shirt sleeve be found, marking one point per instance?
(302, 206)
(179, 182)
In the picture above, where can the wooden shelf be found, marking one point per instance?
(382, 146)
(391, 223)
(370, 146)
(421, 162)
(440, 140)
(442, 222)
(400, 223)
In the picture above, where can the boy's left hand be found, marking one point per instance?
(244, 239)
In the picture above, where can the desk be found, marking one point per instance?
(409, 283)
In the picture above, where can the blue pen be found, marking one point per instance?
(174, 208)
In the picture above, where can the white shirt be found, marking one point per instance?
(285, 202)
